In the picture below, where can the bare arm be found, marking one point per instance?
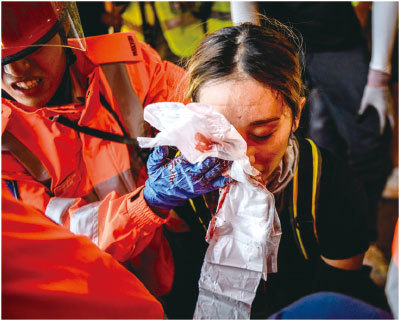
(353, 263)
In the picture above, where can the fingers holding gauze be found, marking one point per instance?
(216, 169)
(208, 169)
(215, 174)
(211, 177)
(158, 157)
(173, 180)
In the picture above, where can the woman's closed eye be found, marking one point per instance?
(255, 136)
(263, 129)
(262, 132)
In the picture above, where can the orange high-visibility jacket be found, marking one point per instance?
(50, 273)
(91, 185)
(392, 282)
(395, 244)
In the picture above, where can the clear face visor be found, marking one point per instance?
(23, 38)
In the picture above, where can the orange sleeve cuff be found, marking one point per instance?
(137, 204)
(126, 224)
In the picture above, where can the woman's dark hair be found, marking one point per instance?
(268, 54)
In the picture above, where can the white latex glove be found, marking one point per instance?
(377, 94)
(383, 31)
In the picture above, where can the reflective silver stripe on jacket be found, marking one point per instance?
(85, 221)
(57, 207)
(131, 110)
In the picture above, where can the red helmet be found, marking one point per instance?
(26, 26)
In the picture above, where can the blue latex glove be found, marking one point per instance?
(172, 181)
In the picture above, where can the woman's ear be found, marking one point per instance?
(296, 119)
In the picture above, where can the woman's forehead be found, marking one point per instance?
(247, 99)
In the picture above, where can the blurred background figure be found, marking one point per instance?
(174, 28)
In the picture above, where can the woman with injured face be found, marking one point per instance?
(252, 76)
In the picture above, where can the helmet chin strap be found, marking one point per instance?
(63, 94)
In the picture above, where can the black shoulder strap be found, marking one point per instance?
(304, 199)
(131, 110)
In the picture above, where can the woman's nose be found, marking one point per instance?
(17, 68)
(251, 153)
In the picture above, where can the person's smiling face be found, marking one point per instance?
(259, 114)
(34, 79)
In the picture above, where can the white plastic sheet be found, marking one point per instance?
(180, 126)
(245, 232)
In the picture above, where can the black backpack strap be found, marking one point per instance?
(304, 199)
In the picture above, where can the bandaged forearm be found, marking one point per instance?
(384, 23)
(244, 11)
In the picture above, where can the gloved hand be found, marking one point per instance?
(377, 94)
(172, 181)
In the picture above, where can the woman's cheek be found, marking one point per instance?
(263, 160)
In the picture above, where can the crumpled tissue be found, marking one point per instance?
(245, 232)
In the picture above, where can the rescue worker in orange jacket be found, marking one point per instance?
(77, 282)
(70, 110)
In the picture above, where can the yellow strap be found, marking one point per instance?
(205, 202)
(295, 193)
(315, 182)
(198, 217)
(316, 166)
(192, 203)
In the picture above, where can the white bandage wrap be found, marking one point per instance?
(384, 23)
